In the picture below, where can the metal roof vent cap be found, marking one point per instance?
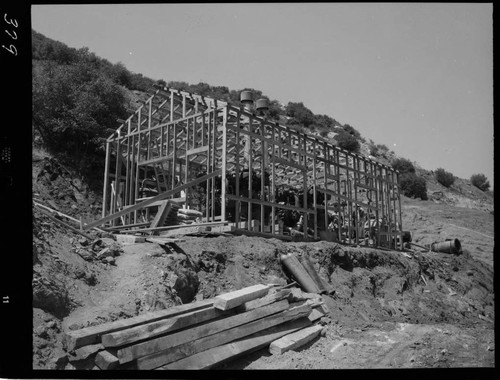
(262, 104)
(246, 97)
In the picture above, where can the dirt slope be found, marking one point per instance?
(388, 309)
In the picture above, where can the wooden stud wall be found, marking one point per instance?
(175, 135)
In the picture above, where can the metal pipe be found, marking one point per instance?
(299, 273)
(450, 246)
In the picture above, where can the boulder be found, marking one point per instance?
(51, 297)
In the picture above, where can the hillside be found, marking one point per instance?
(409, 309)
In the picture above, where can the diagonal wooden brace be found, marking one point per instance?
(156, 198)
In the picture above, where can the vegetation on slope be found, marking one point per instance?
(78, 97)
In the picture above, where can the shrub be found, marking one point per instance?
(374, 150)
(347, 142)
(352, 131)
(444, 178)
(480, 181)
(72, 106)
(382, 147)
(413, 186)
(299, 114)
(403, 165)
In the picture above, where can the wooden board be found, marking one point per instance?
(163, 240)
(92, 334)
(161, 327)
(161, 215)
(266, 300)
(156, 198)
(129, 239)
(191, 348)
(232, 299)
(106, 360)
(294, 340)
(218, 355)
(129, 353)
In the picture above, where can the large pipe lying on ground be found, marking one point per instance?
(449, 246)
(299, 273)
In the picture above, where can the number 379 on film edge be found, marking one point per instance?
(12, 34)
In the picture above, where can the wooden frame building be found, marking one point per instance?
(234, 166)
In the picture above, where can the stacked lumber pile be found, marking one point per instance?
(204, 334)
(187, 216)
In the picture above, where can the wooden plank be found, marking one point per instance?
(161, 215)
(92, 334)
(232, 299)
(161, 327)
(359, 184)
(270, 204)
(132, 352)
(191, 348)
(163, 240)
(294, 340)
(61, 214)
(167, 228)
(198, 150)
(106, 360)
(186, 230)
(290, 163)
(53, 218)
(153, 199)
(159, 203)
(218, 355)
(241, 231)
(128, 239)
(266, 300)
(316, 313)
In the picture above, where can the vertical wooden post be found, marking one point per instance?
(174, 153)
(149, 134)
(171, 105)
(250, 173)
(325, 179)
(214, 152)
(237, 169)
(341, 209)
(209, 155)
(355, 200)
(137, 168)
(303, 161)
(186, 164)
(106, 180)
(118, 167)
(315, 199)
(263, 167)
(133, 161)
(224, 165)
(273, 184)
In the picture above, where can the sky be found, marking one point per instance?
(417, 77)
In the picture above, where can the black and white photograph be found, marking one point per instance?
(260, 186)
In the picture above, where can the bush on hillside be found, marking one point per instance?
(403, 165)
(444, 178)
(413, 186)
(374, 150)
(347, 142)
(352, 131)
(480, 181)
(75, 108)
(299, 114)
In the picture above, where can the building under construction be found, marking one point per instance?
(229, 165)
